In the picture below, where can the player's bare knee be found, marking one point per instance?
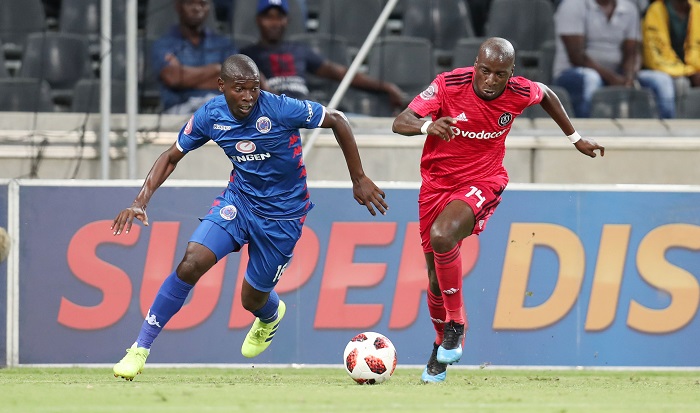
(441, 242)
(253, 302)
(191, 270)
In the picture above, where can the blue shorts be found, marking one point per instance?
(230, 224)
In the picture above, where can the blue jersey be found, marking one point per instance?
(268, 173)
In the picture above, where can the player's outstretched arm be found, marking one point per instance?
(552, 105)
(161, 169)
(364, 190)
(409, 123)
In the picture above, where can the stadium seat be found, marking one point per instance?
(357, 101)
(527, 23)
(536, 111)
(3, 67)
(86, 96)
(545, 63)
(349, 19)
(149, 95)
(25, 95)
(83, 17)
(59, 58)
(689, 105)
(313, 7)
(119, 58)
(241, 40)
(335, 49)
(161, 16)
(442, 22)
(149, 91)
(393, 59)
(620, 102)
(18, 18)
(244, 13)
(465, 51)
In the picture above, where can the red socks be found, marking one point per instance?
(448, 267)
(436, 308)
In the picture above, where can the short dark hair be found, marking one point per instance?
(239, 65)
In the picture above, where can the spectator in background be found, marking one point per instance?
(671, 41)
(285, 64)
(188, 59)
(599, 43)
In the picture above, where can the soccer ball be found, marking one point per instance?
(370, 358)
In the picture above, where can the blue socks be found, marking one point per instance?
(268, 312)
(171, 296)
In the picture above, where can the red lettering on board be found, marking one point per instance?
(160, 263)
(412, 279)
(113, 282)
(341, 273)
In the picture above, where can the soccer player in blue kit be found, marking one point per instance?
(264, 205)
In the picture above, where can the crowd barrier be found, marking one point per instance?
(570, 275)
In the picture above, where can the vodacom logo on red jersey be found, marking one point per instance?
(477, 135)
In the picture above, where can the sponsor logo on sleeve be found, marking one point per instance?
(311, 112)
(188, 126)
(429, 92)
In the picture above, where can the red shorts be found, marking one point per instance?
(482, 197)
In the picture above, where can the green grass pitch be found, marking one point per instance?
(264, 390)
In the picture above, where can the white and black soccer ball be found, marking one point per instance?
(370, 358)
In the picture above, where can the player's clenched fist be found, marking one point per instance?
(442, 128)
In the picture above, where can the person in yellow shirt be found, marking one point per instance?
(671, 41)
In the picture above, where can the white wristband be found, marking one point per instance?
(574, 137)
(424, 128)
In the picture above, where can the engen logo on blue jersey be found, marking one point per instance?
(263, 124)
(245, 147)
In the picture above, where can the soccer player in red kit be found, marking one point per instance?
(462, 173)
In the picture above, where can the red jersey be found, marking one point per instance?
(478, 147)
